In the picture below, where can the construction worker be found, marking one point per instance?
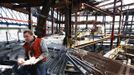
(62, 31)
(36, 53)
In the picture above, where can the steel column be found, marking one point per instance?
(52, 14)
(41, 24)
(112, 34)
(59, 21)
(104, 20)
(29, 18)
(75, 25)
(68, 25)
(93, 33)
(87, 20)
(120, 23)
(132, 23)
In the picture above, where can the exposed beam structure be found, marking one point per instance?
(21, 1)
(10, 6)
(98, 9)
(110, 3)
(122, 6)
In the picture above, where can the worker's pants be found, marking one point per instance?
(41, 69)
(38, 69)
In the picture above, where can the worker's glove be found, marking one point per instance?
(38, 59)
(31, 61)
(20, 61)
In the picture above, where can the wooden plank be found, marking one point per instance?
(92, 42)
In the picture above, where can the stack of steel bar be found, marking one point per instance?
(102, 65)
(62, 61)
(85, 63)
(8, 56)
(58, 61)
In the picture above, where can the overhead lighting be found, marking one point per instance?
(99, 0)
(57, 1)
(78, 13)
(41, 7)
(82, 6)
(16, 4)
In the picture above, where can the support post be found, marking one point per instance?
(93, 33)
(112, 34)
(41, 24)
(68, 25)
(7, 37)
(29, 18)
(59, 21)
(104, 20)
(119, 30)
(86, 21)
(75, 25)
(52, 14)
(131, 24)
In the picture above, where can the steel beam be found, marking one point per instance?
(98, 9)
(8, 23)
